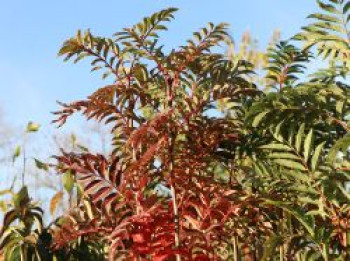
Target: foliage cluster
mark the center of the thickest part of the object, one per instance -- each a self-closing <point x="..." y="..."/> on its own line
<point x="208" y="163"/>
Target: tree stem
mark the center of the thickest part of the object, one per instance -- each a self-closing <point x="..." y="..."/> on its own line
<point x="235" y="248"/>
<point x="172" y="137"/>
<point x="176" y="222"/>
<point x="24" y="159"/>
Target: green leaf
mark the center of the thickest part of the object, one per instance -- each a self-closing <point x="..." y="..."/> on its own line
<point x="32" y="127"/>
<point x="327" y="7"/>
<point x="346" y="7"/>
<point x="21" y="198"/>
<point x="290" y="164"/>
<point x="324" y="17"/>
<point x="340" y="106"/>
<point x="16" y="153"/>
<point x="88" y="209"/>
<point x="316" y="156"/>
<point x="259" y="118"/>
<point x="299" y="137"/>
<point x="80" y="191"/>
<point x="68" y="181"/>
<point x="307" y="145"/>
<point x="82" y="148"/>
<point x="270" y="246"/>
<point x="341" y="144"/>
<point x="41" y="165"/>
<point x="276" y="146"/>
<point x="343" y="190"/>
<point x="281" y="155"/>
<point x="277" y="133"/>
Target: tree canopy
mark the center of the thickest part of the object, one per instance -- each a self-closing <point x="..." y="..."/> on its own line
<point x="209" y="161"/>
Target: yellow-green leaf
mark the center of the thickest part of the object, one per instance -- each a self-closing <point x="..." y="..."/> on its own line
<point x="307" y="145"/>
<point x="299" y="137"/>
<point x="316" y="156"/>
<point x="32" y="127"/>
<point x="290" y="164"/>
<point x="68" y="181"/>
<point x="16" y="153"/>
<point x="259" y="118"/>
<point x="276" y="146"/>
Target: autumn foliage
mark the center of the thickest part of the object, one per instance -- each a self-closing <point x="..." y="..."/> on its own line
<point x="175" y="146"/>
<point x="210" y="161"/>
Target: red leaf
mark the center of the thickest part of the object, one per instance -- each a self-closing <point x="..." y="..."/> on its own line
<point x="138" y="238"/>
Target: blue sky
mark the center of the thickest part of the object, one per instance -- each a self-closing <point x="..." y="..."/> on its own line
<point x="32" y="78"/>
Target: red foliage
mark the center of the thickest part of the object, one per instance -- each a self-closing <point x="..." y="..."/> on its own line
<point x="176" y="147"/>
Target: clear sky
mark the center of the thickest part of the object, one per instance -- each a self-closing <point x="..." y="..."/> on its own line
<point x="32" y="78"/>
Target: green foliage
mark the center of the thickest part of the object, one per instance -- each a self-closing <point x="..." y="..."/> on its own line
<point x="329" y="31"/>
<point x="285" y="63"/>
<point x="21" y="230"/>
